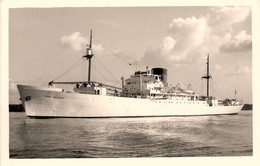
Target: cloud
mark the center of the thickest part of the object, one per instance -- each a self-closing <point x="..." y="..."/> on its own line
<point x="168" y="44"/>
<point x="229" y="15"/>
<point x="187" y="40"/>
<point x="188" y="34"/>
<point x="223" y="18"/>
<point x="190" y="29"/>
<point x="242" y="70"/>
<point x="191" y="38"/>
<point x="185" y="36"/>
<point x="241" y="42"/>
<point x="75" y="41"/>
<point x="99" y="49"/>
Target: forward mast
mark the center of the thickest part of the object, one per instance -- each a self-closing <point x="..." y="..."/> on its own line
<point x="89" y="55"/>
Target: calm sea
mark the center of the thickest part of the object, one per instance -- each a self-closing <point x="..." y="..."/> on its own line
<point x="131" y="137"/>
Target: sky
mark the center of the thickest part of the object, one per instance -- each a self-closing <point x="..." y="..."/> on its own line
<point x="45" y="42"/>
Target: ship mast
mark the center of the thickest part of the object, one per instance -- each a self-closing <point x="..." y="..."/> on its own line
<point x="207" y="76"/>
<point x="89" y="55"/>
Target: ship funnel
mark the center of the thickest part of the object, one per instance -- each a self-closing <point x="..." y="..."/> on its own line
<point x="161" y="72"/>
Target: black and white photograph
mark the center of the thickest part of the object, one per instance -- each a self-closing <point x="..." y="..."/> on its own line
<point x="128" y="82"/>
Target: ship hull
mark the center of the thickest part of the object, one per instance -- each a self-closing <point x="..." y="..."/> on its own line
<point x="51" y="102"/>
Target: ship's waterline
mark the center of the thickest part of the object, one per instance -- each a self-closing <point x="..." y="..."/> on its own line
<point x="50" y="102"/>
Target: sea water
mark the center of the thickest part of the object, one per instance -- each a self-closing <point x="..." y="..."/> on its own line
<point x="225" y="135"/>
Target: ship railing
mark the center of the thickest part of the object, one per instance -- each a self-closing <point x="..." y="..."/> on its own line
<point x="86" y="83"/>
<point x="231" y="102"/>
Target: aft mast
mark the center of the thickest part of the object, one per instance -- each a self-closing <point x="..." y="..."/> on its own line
<point x="207" y="76"/>
<point x="89" y="55"/>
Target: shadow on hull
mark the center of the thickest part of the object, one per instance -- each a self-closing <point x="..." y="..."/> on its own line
<point x="103" y="117"/>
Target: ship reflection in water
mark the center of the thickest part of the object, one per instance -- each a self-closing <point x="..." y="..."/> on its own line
<point x="131" y="137"/>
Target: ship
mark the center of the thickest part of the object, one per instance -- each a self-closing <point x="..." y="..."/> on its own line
<point x="144" y="94"/>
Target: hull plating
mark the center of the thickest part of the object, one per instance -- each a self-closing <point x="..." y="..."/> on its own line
<point x="49" y="102"/>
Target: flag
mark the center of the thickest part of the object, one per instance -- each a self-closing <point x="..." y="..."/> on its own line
<point x="235" y="92"/>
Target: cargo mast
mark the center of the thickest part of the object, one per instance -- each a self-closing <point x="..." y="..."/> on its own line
<point x="207" y="76"/>
<point x="89" y="55"/>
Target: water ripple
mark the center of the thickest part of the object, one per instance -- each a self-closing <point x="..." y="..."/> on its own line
<point x="131" y="137"/>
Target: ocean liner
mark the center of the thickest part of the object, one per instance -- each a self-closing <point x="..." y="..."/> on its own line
<point x="145" y="94"/>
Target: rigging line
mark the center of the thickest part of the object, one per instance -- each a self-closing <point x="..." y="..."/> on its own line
<point x="84" y="75"/>
<point x="218" y="88"/>
<point x="195" y="87"/>
<point x="107" y="49"/>
<point x="117" y="82"/>
<point x="111" y="52"/>
<point x="217" y="92"/>
<point x="73" y="66"/>
<point x="98" y="42"/>
<point x="213" y="90"/>
<point x="83" y="71"/>
<point x="107" y="80"/>
<point x="106" y="68"/>
<point x="93" y="73"/>
<point x="202" y="85"/>
<point x="101" y="74"/>
<point x="196" y="83"/>
<point x="86" y="69"/>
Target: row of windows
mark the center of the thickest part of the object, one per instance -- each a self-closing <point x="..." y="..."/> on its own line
<point x="135" y="82"/>
<point x="180" y="102"/>
<point x="131" y="83"/>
